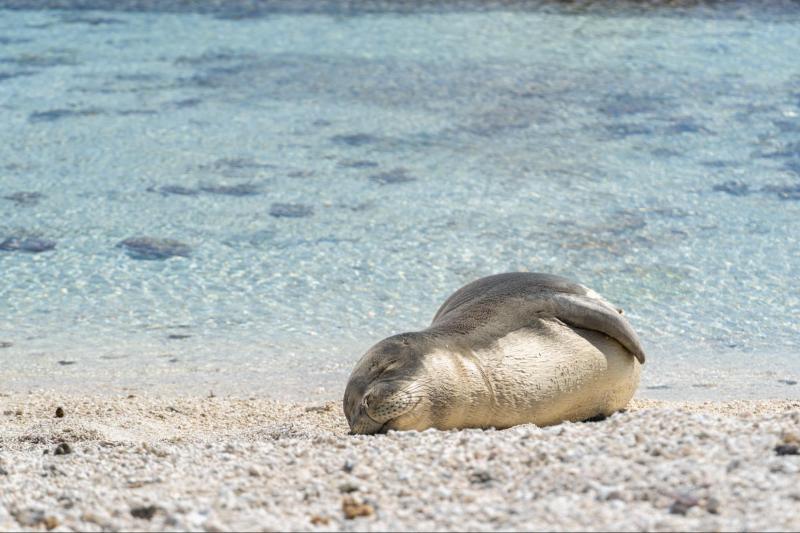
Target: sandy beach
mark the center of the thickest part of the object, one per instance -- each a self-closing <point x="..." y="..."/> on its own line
<point x="219" y="463"/>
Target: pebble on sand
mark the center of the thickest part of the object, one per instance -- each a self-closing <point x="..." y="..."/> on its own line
<point x="352" y="508"/>
<point x="59" y="412"/>
<point x="63" y="449"/>
<point x="683" y="503"/>
<point x="145" y="512"/>
<point x="787" y="449"/>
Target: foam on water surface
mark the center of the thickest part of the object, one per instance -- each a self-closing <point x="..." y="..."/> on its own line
<point x="333" y="176"/>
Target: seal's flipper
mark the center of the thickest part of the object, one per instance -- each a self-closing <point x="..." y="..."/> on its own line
<point x="595" y="314"/>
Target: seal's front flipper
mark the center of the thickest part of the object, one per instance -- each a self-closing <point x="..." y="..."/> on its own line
<point x="595" y="314"/>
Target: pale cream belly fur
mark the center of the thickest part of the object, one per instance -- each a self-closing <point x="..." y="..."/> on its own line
<point x="544" y="374"/>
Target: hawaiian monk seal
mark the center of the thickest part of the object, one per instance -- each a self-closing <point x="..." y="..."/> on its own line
<point x="503" y="350"/>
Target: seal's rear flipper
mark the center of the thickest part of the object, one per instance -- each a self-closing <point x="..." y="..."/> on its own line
<point x="595" y="314"/>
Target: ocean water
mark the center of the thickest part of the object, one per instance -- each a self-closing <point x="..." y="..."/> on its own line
<point x="329" y="173"/>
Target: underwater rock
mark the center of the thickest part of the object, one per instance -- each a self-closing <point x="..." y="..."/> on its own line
<point x="717" y="163"/>
<point x="243" y="189"/>
<point x="91" y="21"/>
<point x="174" y="189"/>
<point x="27" y="244"/>
<point x="736" y="188"/>
<point x="151" y="248"/>
<point x="10" y="75"/>
<point x="354" y="139"/>
<point x="290" y="210"/>
<point x="789" y="151"/>
<point x="784" y="192"/>
<point x="300" y="173"/>
<point x="627" y="130"/>
<point x="793" y="167"/>
<point x="357" y="163"/>
<point x="391" y="177"/>
<point x="187" y="102"/>
<point x="236" y="167"/>
<point x="622" y="104"/>
<point x="25" y="198"/>
<point x="58" y="114"/>
<point x="686" y="126"/>
<point x="665" y="152"/>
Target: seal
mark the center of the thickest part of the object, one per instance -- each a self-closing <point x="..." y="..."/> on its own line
<point x="507" y="349"/>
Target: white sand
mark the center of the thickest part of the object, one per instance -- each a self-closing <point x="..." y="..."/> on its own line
<point x="252" y="464"/>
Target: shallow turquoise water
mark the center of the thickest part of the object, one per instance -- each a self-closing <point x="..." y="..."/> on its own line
<point x="653" y="155"/>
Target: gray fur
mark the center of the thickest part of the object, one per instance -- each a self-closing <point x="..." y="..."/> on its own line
<point x="495" y="305"/>
<point x="447" y="375"/>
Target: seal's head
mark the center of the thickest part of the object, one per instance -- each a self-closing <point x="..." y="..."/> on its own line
<point x="387" y="386"/>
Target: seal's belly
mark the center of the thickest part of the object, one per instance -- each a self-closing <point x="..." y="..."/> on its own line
<point x="548" y="374"/>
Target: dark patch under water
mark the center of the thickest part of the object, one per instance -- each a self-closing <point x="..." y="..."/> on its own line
<point x="357" y="163"/>
<point x="665" y="153"/>
<point x="11" y="75"/>
<point x="784" y="192"/>
<point x="45" y="60"/>
<point x="718" y="163"/>
<point x="215" y="56"/>
<point x="187" y="103"/>
<point x="13" y="40"/>
<point x="59" y="114"/>
<point x="787" y="150"/>
<point x="300" y="173"/>
<point x="679" y="126"/>
<point x="236" y="167"/>
<point x="174" y="189"/>
<point x="623" y="104"/>
<point x="733" y="187"/>
<point x="740" y="188"/>
<point x="620" y="131"/>
<point x="137" y="76"/>
<point x="27" y="244"/>
<point x="787" y="126"/>
<point x="290" y="210"/>
<point x="241" y="189"/>
<point x="90" y="20"/>
<point x="25" y="198"/>
<point x="153" y="248"/>
<point x="354" y="139"/>
<point x="128" y="112"/>
<point x="392" y="177"/>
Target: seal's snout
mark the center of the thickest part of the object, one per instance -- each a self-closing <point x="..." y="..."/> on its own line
<point x="362" y="424"/>
<point x="355" y="409"/>
<point x="378" y="390"/>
